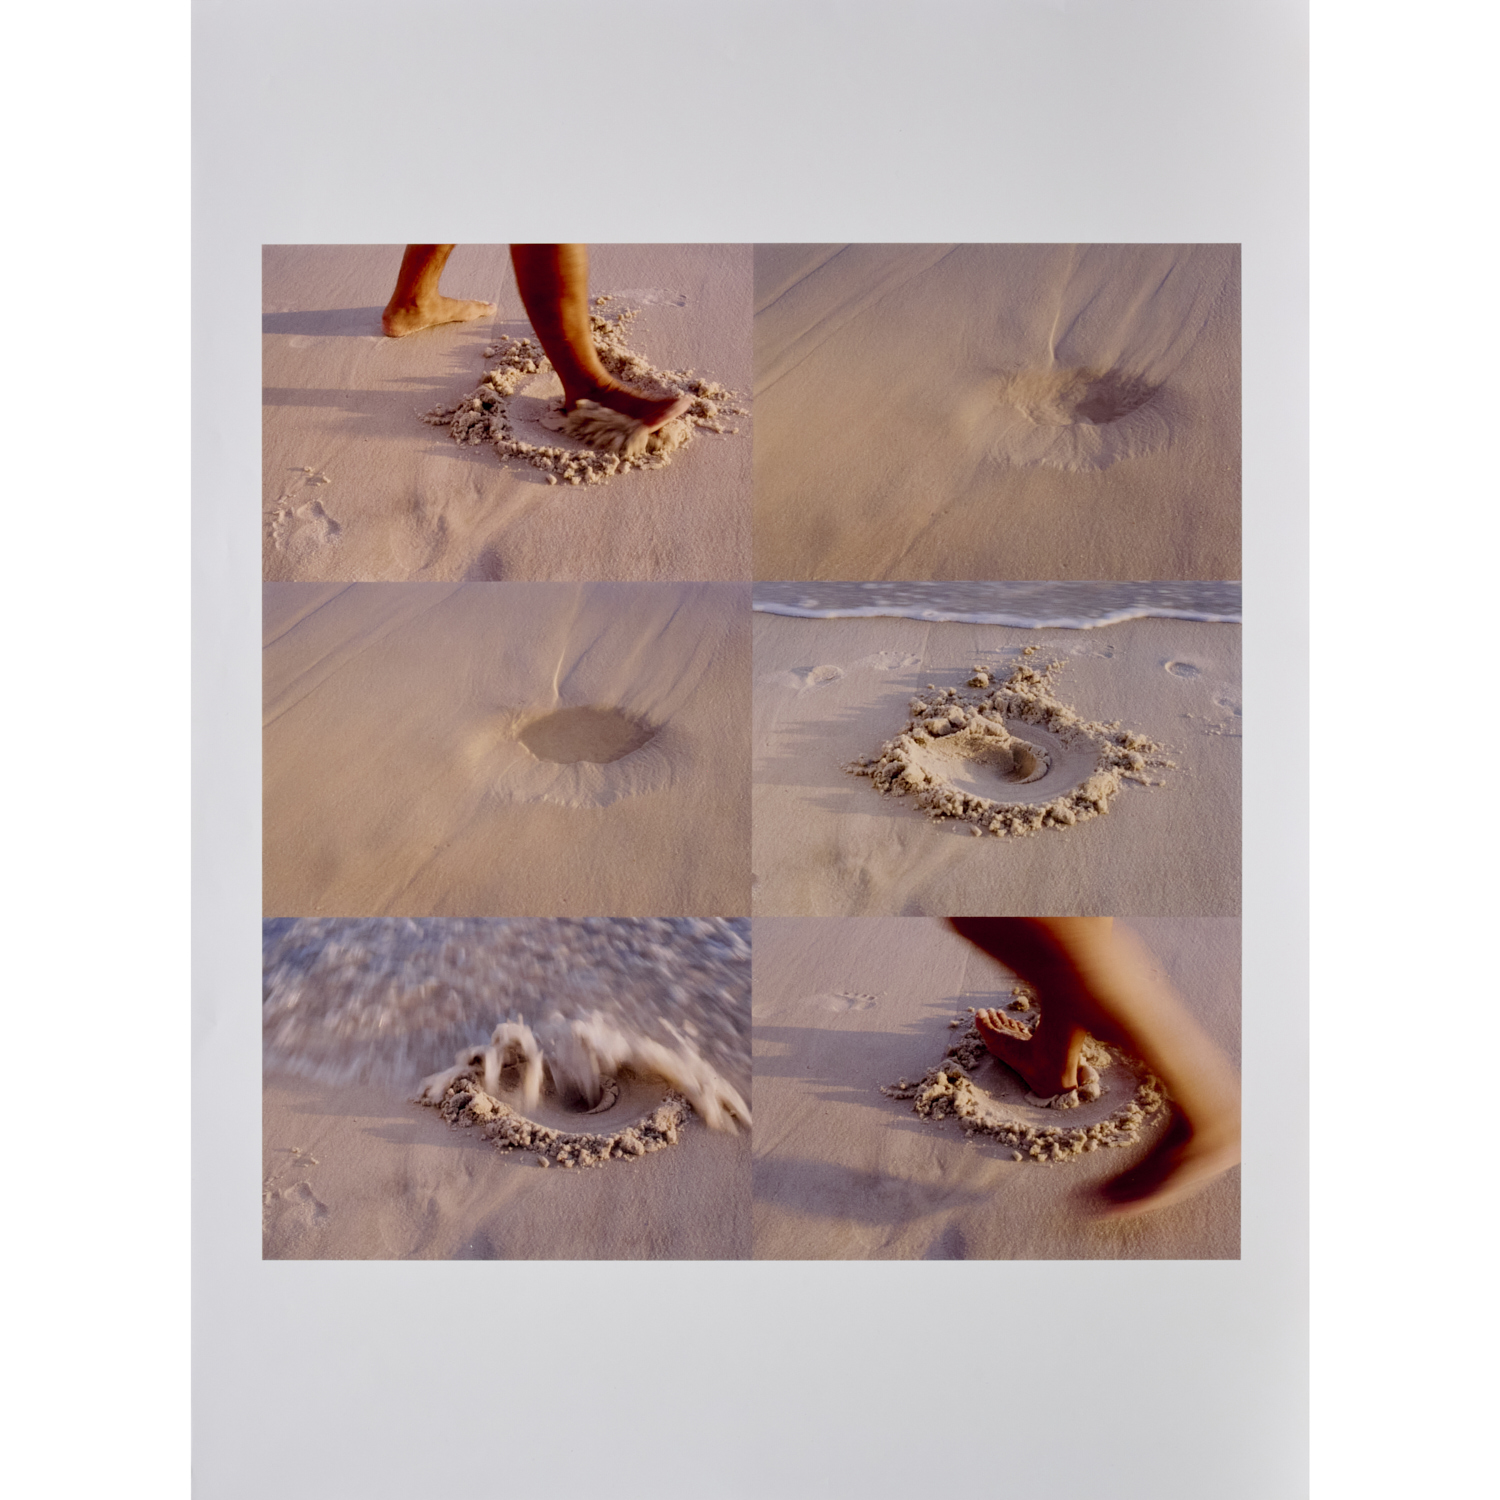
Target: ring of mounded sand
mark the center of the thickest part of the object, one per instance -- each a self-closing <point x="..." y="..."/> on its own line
<point x="1009" y="758"/>
<point x="524" y="1097"/>
<point x="1116" y="1100"/>
<point x="517" y="408"/>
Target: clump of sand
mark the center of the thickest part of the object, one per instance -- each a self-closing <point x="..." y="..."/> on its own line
<point x="486" y="415"/>
<point x="949" y="1090"/>
<point x="951" y="732"/>
<point x="464" y="1102"/>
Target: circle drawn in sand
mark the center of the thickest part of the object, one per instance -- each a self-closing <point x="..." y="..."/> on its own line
<point x="545" y="1099"/>
<point x="988" y="1099"/>
<point x="1011" y="759"/>
<point x="517" y="408"/>
<point x="568" y="1143"/>
<point x="1078" y="418"/>
<point x="569" y="735"/>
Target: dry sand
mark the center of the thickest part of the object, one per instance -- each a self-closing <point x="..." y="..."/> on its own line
<point x="997" y="411"/>
<point x="358" y="1172"/>
<point x="826" y="843"/>
<point x="421" y="749"/>
<point x="357" y="487"/>
<point x="842" y="1171"/>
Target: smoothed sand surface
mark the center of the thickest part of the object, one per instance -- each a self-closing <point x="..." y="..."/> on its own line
<point x="506" y="749"/>
<point x="997" y="411"/>
<point x="841" y="1171"/>
<point x="826" y="843"/>
<point x="357" y="487"/>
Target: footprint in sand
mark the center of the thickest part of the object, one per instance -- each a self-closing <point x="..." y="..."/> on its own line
<point x="299" y="522"/>
<point x="840" y="1002"/>
<point x="314" y="1210"/>
<point x="804" y="679"/>
<point x="1183" y="669"/>
<point x="890" y="661"/>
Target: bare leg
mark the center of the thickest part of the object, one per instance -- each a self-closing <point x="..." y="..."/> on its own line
<point x="1091" y="978"/>
<point x="554" y="285"/>
<point x="416" y="303"/>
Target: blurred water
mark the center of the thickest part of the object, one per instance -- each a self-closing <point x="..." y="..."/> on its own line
<point x="394" y="999"/>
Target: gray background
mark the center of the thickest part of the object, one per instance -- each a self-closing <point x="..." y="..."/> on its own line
<point x="1106" y="120"/>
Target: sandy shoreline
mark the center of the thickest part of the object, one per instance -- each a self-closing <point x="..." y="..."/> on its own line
<point x="843" y="1172"/>
<point x="355" y="486"/>
<point x="997" y="411"/>
<point x="376" y="1177"/>
<point x="408" y="730"/>
<point x="827" y="844"/>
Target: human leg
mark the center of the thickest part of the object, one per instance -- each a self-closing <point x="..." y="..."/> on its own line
<point x="416" y="302"/>
<point x="1092" y="978"/>
<point x="554" y="284"/>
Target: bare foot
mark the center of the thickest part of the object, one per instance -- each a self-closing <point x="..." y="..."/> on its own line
<point x="1184" y="1161"/>
<point x="651" y="412"/>
<point x="431" y="312"/>
<point x="1047" y="1065"/>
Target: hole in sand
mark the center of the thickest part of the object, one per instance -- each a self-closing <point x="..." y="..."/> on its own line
<point x="985" y="764"/>
<point x="1065" y="398"/>
<point x="599" y="735"/>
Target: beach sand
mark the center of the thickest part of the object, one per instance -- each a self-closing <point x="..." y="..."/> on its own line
<point x="997" y="411"/>
<point x="376" y="1177"/>
<point x="357" y="487"/>
<point x="843" y="1172"/>
<point x="826" y="843"/>
<point x="420" y="738"/>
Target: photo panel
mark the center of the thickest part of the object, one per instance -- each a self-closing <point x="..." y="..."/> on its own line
<point x="997" y="411"/>
<point x="505" y="1089"/>
<point x="517" y="413"/>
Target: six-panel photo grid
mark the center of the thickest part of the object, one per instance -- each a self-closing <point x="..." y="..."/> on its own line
<point x="752" y="752"/>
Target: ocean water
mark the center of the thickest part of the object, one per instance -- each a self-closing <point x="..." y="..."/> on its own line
<point x="394" y="999"/>
<point x="1078" y="604"/>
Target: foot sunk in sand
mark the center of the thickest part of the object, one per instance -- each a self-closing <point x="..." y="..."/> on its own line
<point x="611" y="431"/>
<point x="638" y="421"/>
<point x="1005" y="1104"/>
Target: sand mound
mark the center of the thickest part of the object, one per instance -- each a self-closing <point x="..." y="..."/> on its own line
<point x="517" y="407"/>
<point x="1011" y="759"/>
<point x="1116" y="1100"/>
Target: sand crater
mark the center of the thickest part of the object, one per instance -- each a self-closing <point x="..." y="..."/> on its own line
<point x="1067" y="397"/>
<point x="984" y="757"/>
<point x="599" y="735"/>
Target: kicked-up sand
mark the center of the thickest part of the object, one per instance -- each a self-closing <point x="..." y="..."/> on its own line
<point x="506" y="749"/>
<point x="997" y="411"/>
<point x="358" y="485"/>
<point x="845" y="1165"/>
<point x="889" y="782"/>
